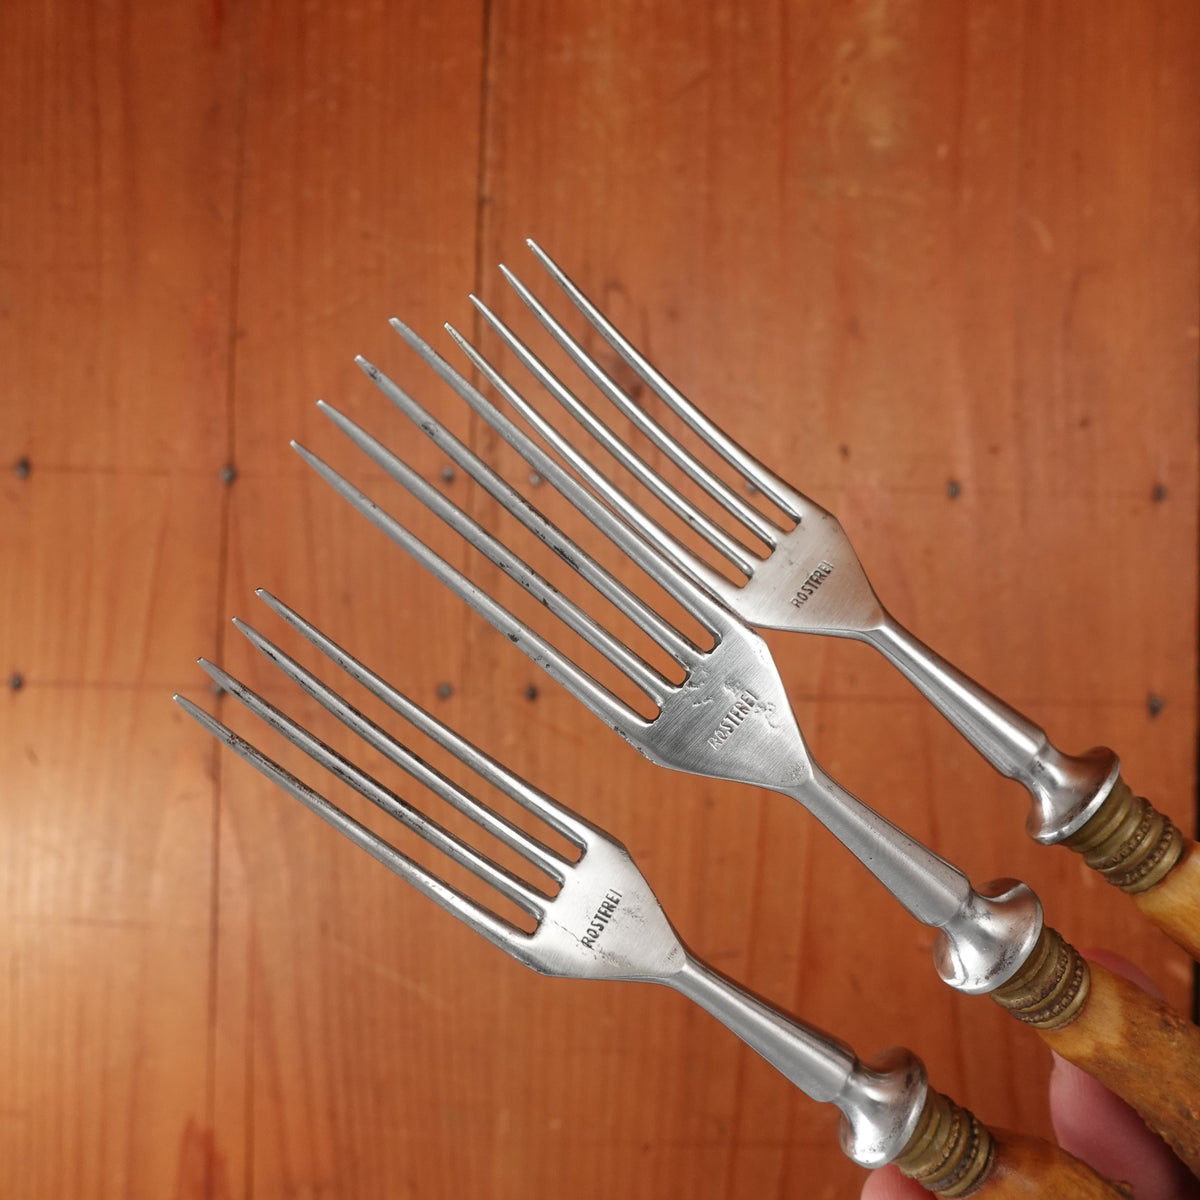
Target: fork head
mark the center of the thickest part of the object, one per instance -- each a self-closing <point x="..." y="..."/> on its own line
<point x="729" y="718"/>
<point x="594" y="916"/>
<point x="792" y="569"/>
<point x="809" y="578"/>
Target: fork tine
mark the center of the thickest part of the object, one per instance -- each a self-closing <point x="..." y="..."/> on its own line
<point x="504" y="881"/>
<point x="534" y="851"/>
<point x="651" y="681"/>
<point x="735" y="551"/>
<point x="706" y="610"/>
<point x="599" y="699"/>
<point x="497" y="930"/>
<point x="742" y="460"/>
<point x="560" y="818"/>
<point x="763" y="528"/>
<point x="667" y="636"/>
<point x="666" y="543"/>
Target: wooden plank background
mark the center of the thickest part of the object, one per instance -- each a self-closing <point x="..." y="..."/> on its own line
<point x="936" y="262"/>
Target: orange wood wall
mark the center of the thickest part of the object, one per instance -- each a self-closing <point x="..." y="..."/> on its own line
<point x="937" y="262"/>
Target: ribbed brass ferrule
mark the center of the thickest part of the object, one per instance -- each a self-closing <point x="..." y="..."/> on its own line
<point x="950" y="1153"/>
<point x="1128" y="841"/>
<point x="1049" y="990"/>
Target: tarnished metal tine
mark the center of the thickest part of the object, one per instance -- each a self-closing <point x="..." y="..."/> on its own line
<point x="651" y="681"/>
<point x="665" y="542"/>
<point x="561" y="819"/>
<point x="668" y="637"/>
<point x="736" y="551"/>
<point x="706" y="610"/>
<point x="534" y="851"/>
<point x="735" y="455"/>
<point x="761" y="526"/>
<point x="558" y="666"/>
<point x="497" y="930"/>
<point x="504" y="881"/>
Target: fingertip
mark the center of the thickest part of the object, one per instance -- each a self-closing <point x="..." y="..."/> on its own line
<point x="1119" y="965"/>
<point x="1098" y="1127"/>
<point x="888" y="1183"/>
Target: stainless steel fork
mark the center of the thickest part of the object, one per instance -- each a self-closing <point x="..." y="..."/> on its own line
<point x="809" y="579"/>
<point x="730" y="719"/>
<point x="595" y="917"/>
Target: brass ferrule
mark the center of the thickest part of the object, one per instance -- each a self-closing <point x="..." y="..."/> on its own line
<point x="950" y="1152"/>
<point x="1128" y="841"/>
<point x="1049" y="990"/>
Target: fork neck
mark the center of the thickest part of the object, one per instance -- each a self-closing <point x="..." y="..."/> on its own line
<point x="984" y="935"/>
<point x="880" y="1103"/>
<point x="1066" y="789"/>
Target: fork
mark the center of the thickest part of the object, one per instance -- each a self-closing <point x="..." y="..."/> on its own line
<point x="810" y="580"/>
<point x="595" y="917"/>
<point x="730" y="719"/>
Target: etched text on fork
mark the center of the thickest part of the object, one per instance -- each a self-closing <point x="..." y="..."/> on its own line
<point x="601" y="917"/>
<point x="741" y="708"/>
<point x="819" y="574"/>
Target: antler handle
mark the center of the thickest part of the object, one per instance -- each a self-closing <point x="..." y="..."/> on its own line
<point x="1139" y="850"/>
<point x="1135" y="1045"/>
<point x="1174" y="904"/>
<point x="952" y="1154"/>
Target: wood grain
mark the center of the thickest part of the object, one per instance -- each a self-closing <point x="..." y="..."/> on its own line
<point x="937" y="264"/>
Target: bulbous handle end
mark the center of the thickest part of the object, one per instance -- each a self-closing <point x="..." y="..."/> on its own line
<point x="990" y="938"/>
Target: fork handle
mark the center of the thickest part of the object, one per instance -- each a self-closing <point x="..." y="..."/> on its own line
<point x="1140" y="851"/>
<point x="889" y="1112"/>
<point x="1066" y="789"/>
<point x="1028" y="1166"/>
<point x="1078" y="800"/>
<point x="1135" y="1045"/>
<point x="952" y="1154"/>
<point x="1174" y="904"/>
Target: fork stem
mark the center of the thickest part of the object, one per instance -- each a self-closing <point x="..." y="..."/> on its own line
<point x="880" y="1103"/>
<point x="889" y="1111"/>
<point x="984" y="936"/>
<point x="1067" y="789"/>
